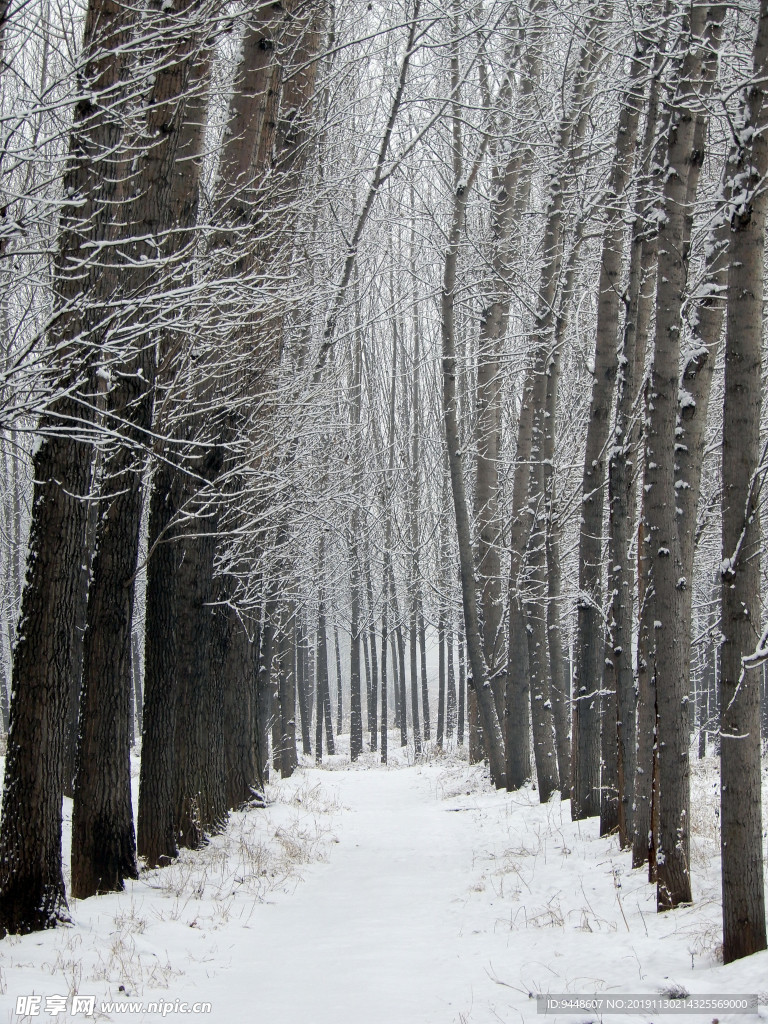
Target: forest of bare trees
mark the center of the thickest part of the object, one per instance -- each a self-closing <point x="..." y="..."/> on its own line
<point x="337" y="333"/>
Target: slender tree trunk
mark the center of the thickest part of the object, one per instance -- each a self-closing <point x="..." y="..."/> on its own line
<point x="338" y="680"/>
<point x="323" y="700"/>
<point x="287" y="684"/>
<point x="264" y="674"/>
<point x="511" y="185"/>
<point x="462" y="691"/>
<point x="413" y="637"/>
<point x="450" y="726"/>
<point x="440" y="678"/>
<point x="302" y="658"/>
<point x="518" y="731"/>
<point x="494" y="741"/>
<point x="399" y="641"/>
<point x="588" y="678"/>
<point x="384" y="695"/>
<point x="374" y="694"/>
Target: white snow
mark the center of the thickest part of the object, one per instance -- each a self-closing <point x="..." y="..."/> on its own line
<point x="404" y="895"/>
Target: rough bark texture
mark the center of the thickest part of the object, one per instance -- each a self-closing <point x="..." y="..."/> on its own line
<point x="618" y="720"/>
<point x="744" y="930"/>
<point x="666" y="567"/>
<point x="241" y="765"/>
<point x="156" y="839"/>
<point x="31" y="883"/>
<point x="103" y="844"/>
<point x="156" y="835"/>
<point x="622" y="484"/>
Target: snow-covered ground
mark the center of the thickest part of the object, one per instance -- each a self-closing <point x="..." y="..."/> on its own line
<point x="407" y="895"/>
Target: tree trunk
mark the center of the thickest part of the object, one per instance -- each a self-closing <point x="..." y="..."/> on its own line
<point x="31" y="883"/>
<point x="374" y="694"/>
<point x="450" y="725"/>
<point x="518" y="730"/>
<point x="287" y="684"/>
<point x="384" y="695"/>
<point x="588" y="676"/>
<point x="338" y="680"/>
<point x="462" y="691"/>
<point x="744" y="930"/>
<point x="667" y="570"/>
<point x="440" y="678"/>
<point x="302" y="683"/>
<point x="494" y="741"/>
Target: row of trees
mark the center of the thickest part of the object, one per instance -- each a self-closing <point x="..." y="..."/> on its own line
<point x="381" y="326"/>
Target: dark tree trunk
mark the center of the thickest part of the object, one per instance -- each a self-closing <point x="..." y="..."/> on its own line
<point x="462" y="692"/>
<point x="450" y="725"/>
<point x="338" y="680"/>
<point x="287" y="683"/>
<point x="384" y="695"/>
<point x="44" y="659"/>
<point x="414" y="640"/>
<point x="374" y="691"/>
<point x="302" y="682"/>
<point x="264" y="682"/>
<point x="744" y="930"/>
<point x="156" y="832"/>
<point x="440" y="678"/>
<point x="241" y="766"/>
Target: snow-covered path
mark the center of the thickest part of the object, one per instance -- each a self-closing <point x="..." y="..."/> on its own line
<point x="443" y="901"/>
<point x="377" y="934"/>
<point x="407" y="895"/>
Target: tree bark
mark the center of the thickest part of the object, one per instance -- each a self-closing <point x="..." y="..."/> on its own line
<point x="494" y="741"/>
<point x="31" y="883"/>
<point x="743" y="466"/>
<point x="666" y="567"/>
<point x="588" y="676"/>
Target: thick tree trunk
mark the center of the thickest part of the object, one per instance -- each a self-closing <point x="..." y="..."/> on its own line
<point x="241" y="763"/>
<point x="665" y="554"/>
<point x="744" y="930"/>
<point x="618" y="721"/>
<point x="103" y="843"/>
<point x="31" y="882"/>
<point x="156" y="831"/>
<point x="622" y="484"/>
